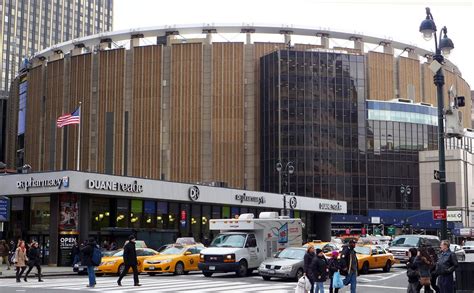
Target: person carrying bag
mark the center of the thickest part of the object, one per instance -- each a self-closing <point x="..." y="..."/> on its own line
<point x="20" y="260"/>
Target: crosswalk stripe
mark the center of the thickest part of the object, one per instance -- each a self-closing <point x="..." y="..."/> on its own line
<point x="239" y="288"/>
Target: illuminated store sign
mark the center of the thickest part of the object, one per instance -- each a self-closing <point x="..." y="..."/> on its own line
<point x="38" y="183"/>
<point x="115" y="186"/>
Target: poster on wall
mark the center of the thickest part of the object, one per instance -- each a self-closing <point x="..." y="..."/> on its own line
<point x="66" y="242"/>
<point x="68" y="212"/>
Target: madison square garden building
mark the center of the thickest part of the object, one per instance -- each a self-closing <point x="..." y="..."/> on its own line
<point x="170" y="105"/>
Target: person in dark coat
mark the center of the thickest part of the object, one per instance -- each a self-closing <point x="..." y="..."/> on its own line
<point x="350" y="265"/>
<point x="307" y="260"/>
<point x="75" y="253"/>
<point x="447" y="264"/>
<point x="424" y="264"/>
<point x="130" y="261"/>
<point x="434" y="275"/>
<point x="334" y="265"/>
<point x="412" y="272"/>
<point x="319" y="268"/>
<point x="34" y="260"/>
<point x="87" y="252"/>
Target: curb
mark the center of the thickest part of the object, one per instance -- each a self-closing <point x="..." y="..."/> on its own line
<point x="43" y="275"/>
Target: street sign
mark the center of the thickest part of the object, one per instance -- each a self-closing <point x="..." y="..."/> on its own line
<point x="439" y="214"/>
<point x="391" y="230"/>
<point x="375" y="220"/>
<point x="3" y="209"/>
<point x="454" y="216"/>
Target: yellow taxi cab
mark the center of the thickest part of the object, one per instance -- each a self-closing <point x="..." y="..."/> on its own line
<point x="177" y="259"/>
<point x="326" y="247"/>
<point x="373" y="257"/>
<point x="114" y="264"/>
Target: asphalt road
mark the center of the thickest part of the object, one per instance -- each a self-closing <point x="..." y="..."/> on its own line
<point x="374" y="282"/>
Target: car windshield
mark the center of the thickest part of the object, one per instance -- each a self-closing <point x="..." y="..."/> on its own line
<point x="362" y="250"/>
<point x="469" y="243"/>
<point x="173" y="250"/>
<point x="229" y="240"/>
<point x="119" y="253"/>
<point x="291" y="253"/>
<point x="406" y="241"/>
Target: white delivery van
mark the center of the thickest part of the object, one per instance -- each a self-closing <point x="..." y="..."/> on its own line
<point x="244" y="243"/>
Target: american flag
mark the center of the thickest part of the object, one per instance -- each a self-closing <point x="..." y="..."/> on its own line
<point x="70" y="118"/>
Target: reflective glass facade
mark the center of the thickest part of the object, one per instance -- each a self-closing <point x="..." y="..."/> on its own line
<point x="401" y="112"/>
<point x="312" y="105"/>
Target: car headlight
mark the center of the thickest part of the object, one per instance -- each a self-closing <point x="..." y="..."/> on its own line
<point x="229" y="257"/>
<point x="167" y="260"/>
<point x="286" y="268"/>
<point x="262" y="266"/>
<point x="109" y="263"/>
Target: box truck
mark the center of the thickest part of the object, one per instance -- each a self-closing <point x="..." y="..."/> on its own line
<point x="244" y="243"/>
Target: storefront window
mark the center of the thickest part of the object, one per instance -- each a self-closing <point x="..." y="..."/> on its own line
<point x="40" y="214"/>
<point x="206" y="214"/>
<point x="196" y="222"/>
<point x="184" y="220"/>
<point x="216" y="212"/>
<point x="225" y="212"/>
<point x="122" y="213"/>
<point x="136" y="213"/>
<point x="149" y="218"/>
<point x="162" y="219"/>
<point x="100" y="213"/>
<point x="235" y="212"/>
<point x="173" y="216"/>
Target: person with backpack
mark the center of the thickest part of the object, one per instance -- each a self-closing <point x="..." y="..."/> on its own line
<point x="87" y="260"/>
<point x="34" y="260"/>
<point x="130" y="261"/>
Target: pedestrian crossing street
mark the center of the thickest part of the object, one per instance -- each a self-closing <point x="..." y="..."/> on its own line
<point x="155" y="284"/>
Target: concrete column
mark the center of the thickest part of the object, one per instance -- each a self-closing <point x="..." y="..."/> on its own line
<point x="387" y="47"/>
<point x="321" y="223"/>
<point x="79" y="49"/>
<point x="53" y="229"/>
<point x="209" y="38"/>
<point x="248" y="38"/>
<point x="56" y="56"/>
<point x="84" y="217"/>
<point x="38" y="62"/>
<point x="105" y="44"/>
<point x="135" y="40"/>
<point x="287" y="39"/>
<point x="324" y="40"/>
<point x="411" y="53"/>
<point x="206" y="109"/>
<point x="358" y="44"/>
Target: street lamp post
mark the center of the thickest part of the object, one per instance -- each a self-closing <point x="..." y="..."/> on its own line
<point x="445" y="45"/>
<point x="286" y="171"/>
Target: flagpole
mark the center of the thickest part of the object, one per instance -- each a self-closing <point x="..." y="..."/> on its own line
<point x="79" y="137"/>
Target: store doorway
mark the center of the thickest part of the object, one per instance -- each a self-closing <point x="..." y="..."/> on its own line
<point x="43" y="241"/>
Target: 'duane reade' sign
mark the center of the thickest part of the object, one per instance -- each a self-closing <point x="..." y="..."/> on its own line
<point x="133" y="187"/>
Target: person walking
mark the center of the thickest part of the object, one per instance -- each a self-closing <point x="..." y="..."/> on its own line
<point x="307" y="260"/>
<point x="75" y="253"/>
<point x="447" y="264"/>
<point x="34" y="260"/>
<point x="424" y="264"/>
<point x="87" y="251"/>
<point x="130" y="261"/>
<point x="412" y="272"/>
<point x="4" y="252"/>
<point x="349" y="264"/>
<point x="334" y="266"/>
<point x="20" y="260"/>
<point x="434" y="275"/>
<point x="319" y="268"/>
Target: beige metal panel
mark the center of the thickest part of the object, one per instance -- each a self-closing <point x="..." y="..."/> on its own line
<point x="409" y="78"/>
<point x="111" y="99"/>
<point x="429" y="89"/>
<point x="145" y="133"/>
<point x="185" y="107"/>
<point x="228" y="113"/>
<point x="380" y="76"/>
<point x="12" y="125"/>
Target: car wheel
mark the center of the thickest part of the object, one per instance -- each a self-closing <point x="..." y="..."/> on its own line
<point x="207" y="274"/>
<point x="179" y="269"/>
<point x="387" y="266"/>
<point x="299" y="274"/>
<point x="266" y="278"/>
<point x="152" y="274"/>
<point x="365" y="268"/>
<point x="249" y="272"/>
<point x="121" y="268"/>
<point x="242" y="272"/>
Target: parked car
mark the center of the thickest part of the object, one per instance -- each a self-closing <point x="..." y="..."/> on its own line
<point x="373" y="257"/>
<point x="326" y="247"/>
<point x="401" y="244"/>
<point x="468" y="246"/>
<point x="459" y="251"/>
<point x="287" y="264"/>
<point x="176" y="259"/>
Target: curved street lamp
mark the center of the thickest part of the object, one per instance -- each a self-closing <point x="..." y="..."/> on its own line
<point x="443" y="47"/>
<point x="286" y="170"/>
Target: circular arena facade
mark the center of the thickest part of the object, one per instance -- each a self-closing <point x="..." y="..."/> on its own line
<point x="173" y="103"/>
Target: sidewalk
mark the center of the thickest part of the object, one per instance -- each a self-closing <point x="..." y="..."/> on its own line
<point x="46" y="271"/>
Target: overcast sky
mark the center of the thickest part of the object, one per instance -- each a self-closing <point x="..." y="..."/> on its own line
<point x="396" y="19"/>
